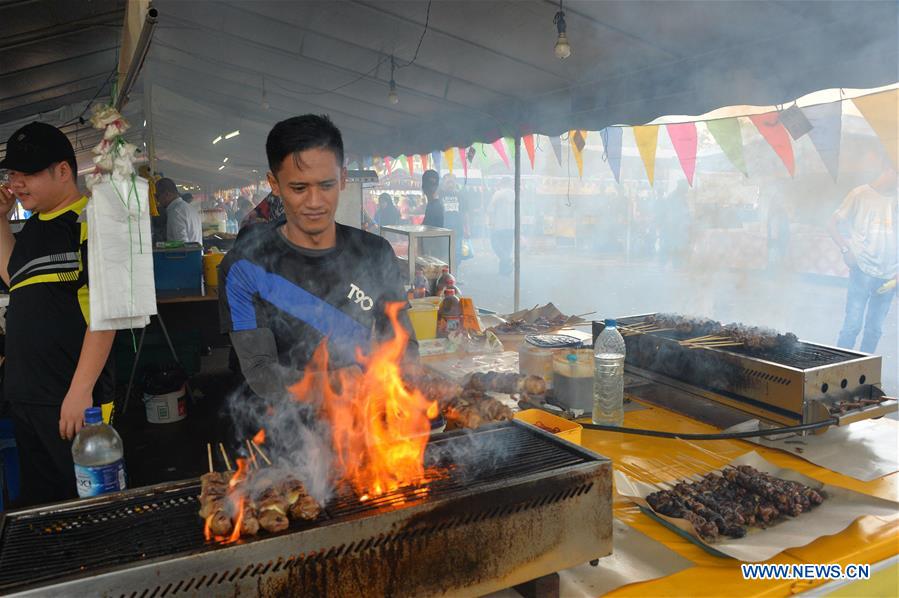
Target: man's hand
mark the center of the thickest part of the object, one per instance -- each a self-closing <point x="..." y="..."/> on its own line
<point x="849" y="259"/>
<point x="7" y="201"/>
<point x="71" y="415"/>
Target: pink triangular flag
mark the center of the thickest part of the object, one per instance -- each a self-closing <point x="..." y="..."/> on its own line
<point x="683" y="138"/>
<point x="464" y="162"/>
<point x="500" y="148"/>
<point x="410" y="160"/>
<point x="777" y="137"/>
<point x="387" y="160"/>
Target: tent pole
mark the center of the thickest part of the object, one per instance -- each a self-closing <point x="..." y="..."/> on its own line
<point x="517" y="222"/>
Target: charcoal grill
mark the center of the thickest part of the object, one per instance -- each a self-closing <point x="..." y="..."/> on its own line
<point x="788" y="384"/>
<point x="532" y="505"/>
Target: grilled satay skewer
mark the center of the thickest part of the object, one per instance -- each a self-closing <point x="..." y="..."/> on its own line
<point x="225" y="456"/>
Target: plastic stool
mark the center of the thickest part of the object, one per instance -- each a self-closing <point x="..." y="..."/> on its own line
<point x="9" y="462"/>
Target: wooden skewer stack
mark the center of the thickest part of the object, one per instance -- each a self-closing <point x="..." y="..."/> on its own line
<point x="630" y="330"/>
<point x="709" y="341"/>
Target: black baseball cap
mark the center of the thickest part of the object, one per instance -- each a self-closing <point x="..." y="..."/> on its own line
<point x="35" y="147"/>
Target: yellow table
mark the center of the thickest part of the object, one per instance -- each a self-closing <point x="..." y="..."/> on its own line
<point x="867" y="541"/>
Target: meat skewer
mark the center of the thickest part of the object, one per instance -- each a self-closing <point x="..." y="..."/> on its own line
<point x="225" y="457"/>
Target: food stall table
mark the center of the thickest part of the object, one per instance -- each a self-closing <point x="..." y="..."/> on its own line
<point x="870" y="540"/>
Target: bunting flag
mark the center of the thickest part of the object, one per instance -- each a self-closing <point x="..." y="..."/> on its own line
<point x="435" y="160"/>
<point x="556" y="143"/>
<point x="472" y="152"/>
<point x="578" y="141"/>
<point x="647" y="140"/>
<point x="528" y="141"/>
<point x="448" y="155"/>
<point x="367" y="162"/>
<point x="611" y="143"/>
<point x="500" y="146"/>
<point x="879" y="109"/>
<point x="729" y="137"/>
<point x="826" y="121"/>
<point x="387" y="160"/>
<point x="424" y="162"/>
<point x="777" y="137"/>
<point x="464" y="160"/>
<point x="683" y="138"/>
<point x="410" y="160"/>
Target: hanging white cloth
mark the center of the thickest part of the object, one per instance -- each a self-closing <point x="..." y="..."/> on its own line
<point x="120" y="254"/>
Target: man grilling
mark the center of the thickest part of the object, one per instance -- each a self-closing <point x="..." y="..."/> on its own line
<point x="303" y="278"/>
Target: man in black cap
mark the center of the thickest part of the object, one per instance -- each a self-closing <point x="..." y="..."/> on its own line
<point x="56" y="367"/>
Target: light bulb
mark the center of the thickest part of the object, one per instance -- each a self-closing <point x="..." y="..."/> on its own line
<point x="562" y="48"/>
<point x="392" y="96"/>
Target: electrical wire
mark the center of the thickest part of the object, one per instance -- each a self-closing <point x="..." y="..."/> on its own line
<point x="420" y="39"/>
<point x="719" y="436"/>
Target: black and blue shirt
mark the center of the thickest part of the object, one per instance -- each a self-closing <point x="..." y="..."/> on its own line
<point x="304" y="296"/>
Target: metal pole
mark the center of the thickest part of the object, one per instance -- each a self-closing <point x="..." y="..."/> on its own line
<point x="137" y="59"/>
<point x="517" y="221"/>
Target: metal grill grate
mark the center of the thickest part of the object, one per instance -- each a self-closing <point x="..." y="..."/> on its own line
<point x="38" y="547"/>
<point x="801" y="355"/>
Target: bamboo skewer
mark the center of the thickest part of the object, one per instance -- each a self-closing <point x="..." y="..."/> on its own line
<point x="261" y="454"/>
<point x="252" y="455"/>
<point x="225" y="456"/>
<point x="209" y="456"/>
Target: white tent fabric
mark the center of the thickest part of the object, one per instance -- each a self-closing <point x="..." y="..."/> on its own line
<point x="486" y="68"/>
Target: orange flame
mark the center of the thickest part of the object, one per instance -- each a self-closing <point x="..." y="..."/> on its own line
<point x="207" y="532"/>
<point x="379" y="428"/>
<point x="236" y="497"/>
<point x="238" y="521"/>
<point x="259" y="438"/>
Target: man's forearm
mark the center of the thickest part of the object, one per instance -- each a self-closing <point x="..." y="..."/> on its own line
<point x="7" y="242"/>
<point x="94" y="354"/>
<point x="258" y="354"/>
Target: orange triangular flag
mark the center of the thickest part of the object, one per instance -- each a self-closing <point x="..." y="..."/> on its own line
<point x="879" y="109"/>
<point x="777" y="137"/>
<point x="647" y="138"/>
<point x="448" y="155"/>
<point x="530" y="148"/>
<point x="578" y="140"/>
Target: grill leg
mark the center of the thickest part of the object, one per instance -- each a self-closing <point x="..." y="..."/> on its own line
<point x="542" y="587"/>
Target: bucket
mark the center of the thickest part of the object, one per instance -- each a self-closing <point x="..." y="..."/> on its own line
<point x="424" y="320"/>
<point x="166" y="409"/>
<point x="211" y="263"/>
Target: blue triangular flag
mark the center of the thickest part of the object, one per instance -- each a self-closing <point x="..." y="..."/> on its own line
<point x="611" y="143"/>
<point x="827" y="122"/>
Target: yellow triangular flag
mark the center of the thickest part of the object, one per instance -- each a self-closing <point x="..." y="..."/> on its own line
<point x="880" y="110"/>
<point x="578" y="140"/>
<point x="448" y="154"/>
<point x="647" y="139"/>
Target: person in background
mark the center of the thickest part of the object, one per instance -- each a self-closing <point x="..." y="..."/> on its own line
<point x="501" y="221"/>
<point x="56" y="367"/>
<point x="187" y="197"/>
<point x="387" y="213"/>
<point x="455" y="213"/>
<point x="430" y="181"/>
<point x="870" y="251"/>
<point x="244" y="207"/>
<point x="182" y="222"/>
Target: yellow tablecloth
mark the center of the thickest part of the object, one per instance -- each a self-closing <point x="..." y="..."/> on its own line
<point x="868" y="540"/>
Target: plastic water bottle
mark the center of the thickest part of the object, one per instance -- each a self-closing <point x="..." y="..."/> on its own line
<point x="97" y="452"/>
<point x="608" y="377"/>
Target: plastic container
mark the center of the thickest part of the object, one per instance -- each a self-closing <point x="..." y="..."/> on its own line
<point x="573" y="379"/>
<point x="449" y="316"/>
<point x="211" y="263"/>
<point x="423" y="316"/>
<point x="167" y="408"/>
<point x="608" y="376"/>
<point x="570" y="431"/>
<point x="535" y="354"/>
<point x="98" y="454"/>
<point x="179" y="269"/>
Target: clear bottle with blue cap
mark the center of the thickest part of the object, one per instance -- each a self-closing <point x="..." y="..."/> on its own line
<point x="99" y="457"/>
<point x="608" y="376"/>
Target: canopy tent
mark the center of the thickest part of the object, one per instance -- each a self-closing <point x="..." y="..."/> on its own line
<point x="483" y="68"/>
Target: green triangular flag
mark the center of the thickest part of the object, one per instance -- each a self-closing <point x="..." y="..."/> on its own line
<point x="727" y="134"/>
